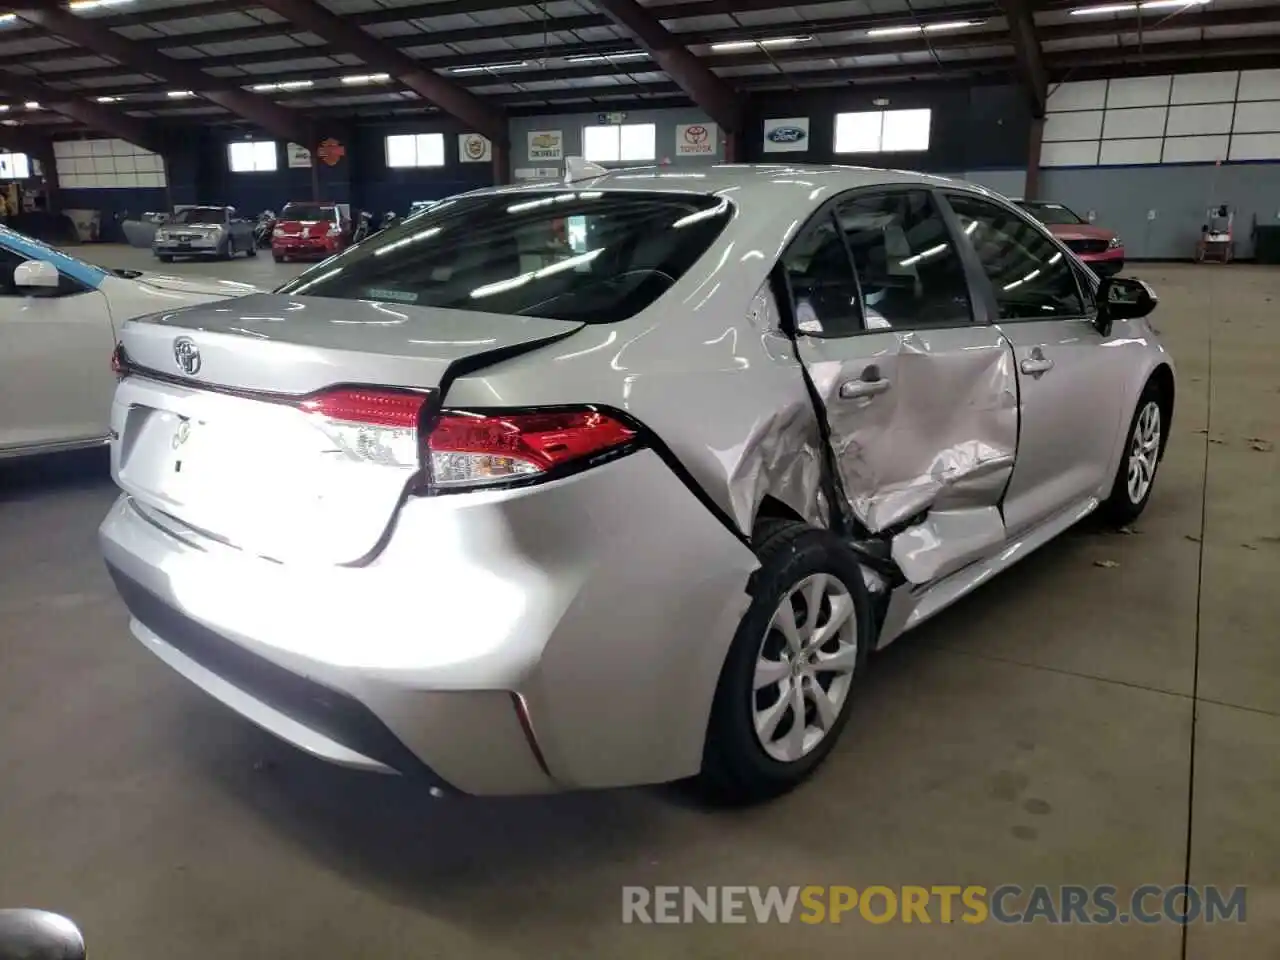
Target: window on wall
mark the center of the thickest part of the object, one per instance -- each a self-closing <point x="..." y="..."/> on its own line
<point x="252" y="156"/>
<point x="14" y="166"/>
<point x="883" y="131"/>
<point x="1186" y="118"/>
<point x="620" y="143"/>
<point x="415" y="150"/>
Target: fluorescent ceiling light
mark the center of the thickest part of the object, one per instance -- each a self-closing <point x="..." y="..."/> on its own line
<point x="107" y="99"/>
<point x="8" y="17"/>
<point x="1106" y="8"/>
<point x="367" y="78"/>
<point x="179" y="94"/>
<point x="598" y="57"/>
<point x="90" y="4"/>
<point x="485" y="67"/>
<point x="33" y="104"/>
<point x="282" y="85"/>
<point x="4" y="108"/>
<point x="768" y="42"/>
<point x="926" y="28"/>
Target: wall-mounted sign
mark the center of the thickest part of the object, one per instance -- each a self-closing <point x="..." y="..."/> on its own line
<point x="697" y="139"/>
<point x="537" y="173"/>
<point x="330" y="152"/>
<point x="616" y="117"/>
<point x="473" y="148"/>
<point x="546" y="145"/>
<point x="299" y="156"/>
<point x="788" y="135"/>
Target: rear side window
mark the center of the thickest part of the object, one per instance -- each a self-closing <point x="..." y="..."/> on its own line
<point x="1031" y="277"/>
<point x="909" y="269"/>
<point x="589" y="256"/>
<point x="823" y="288"/>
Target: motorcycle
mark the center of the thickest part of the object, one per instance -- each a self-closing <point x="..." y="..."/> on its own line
<point x="389" y="220"/>
<point x="363" y="228"/>
<point x="262" y="230"/>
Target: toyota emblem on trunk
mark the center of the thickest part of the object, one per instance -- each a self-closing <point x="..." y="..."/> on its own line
<point x="187" y="354"/>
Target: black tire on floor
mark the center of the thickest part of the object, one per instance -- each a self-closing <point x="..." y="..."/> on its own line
<point x="228" y="249"/>
<point x="735" y="767"/>
<point x="1120" y="508"/>
<point x="277" y="258"/>
<point x="252" y="251"/>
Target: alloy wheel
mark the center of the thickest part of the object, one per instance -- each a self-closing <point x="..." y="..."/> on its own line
<point x="805" y="667"/>
<point x="1144" y="452"/>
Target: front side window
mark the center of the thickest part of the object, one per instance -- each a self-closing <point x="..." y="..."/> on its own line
<point x="1032" y="278"/>
<point x="909" y="269"/>
<point x="590" y="256"/>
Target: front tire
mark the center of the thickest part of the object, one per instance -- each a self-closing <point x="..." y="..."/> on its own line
<point x="1143" y="450"/>
<point x="787" y="684"/>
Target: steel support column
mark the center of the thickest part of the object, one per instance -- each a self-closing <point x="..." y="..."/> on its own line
<point x="270" y="116"/>
<point x="453" y="98"/>
<point x="694" y="77"/>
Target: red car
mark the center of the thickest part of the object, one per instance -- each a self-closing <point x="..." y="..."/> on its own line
<point x="1099" y="247"/>
<point x="311" y="230"/>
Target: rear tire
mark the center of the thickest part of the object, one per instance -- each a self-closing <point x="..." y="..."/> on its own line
<point x="785" y="693"/>
<point x="252" y="251"/>
<point x="1143" y="450"/>
<point x="277" y="258"/>
<point x="228" y="250"/>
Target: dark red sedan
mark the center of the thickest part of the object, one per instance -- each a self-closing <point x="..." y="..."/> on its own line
<point x="1099" y="247"/>
<point x="312" y="231"/>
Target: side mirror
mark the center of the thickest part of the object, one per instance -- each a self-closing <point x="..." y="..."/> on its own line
<point x="35" y="277"/>
<point x="1123" y="298"/>
<point x="39" y="935"/>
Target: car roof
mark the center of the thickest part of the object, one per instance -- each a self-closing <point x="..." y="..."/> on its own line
<point x="745" y="178"/>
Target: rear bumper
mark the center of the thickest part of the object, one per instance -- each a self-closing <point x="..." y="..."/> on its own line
<point x="304" y="248"/>
<point x="195" y="249"/>
<point x="517" y="642"/>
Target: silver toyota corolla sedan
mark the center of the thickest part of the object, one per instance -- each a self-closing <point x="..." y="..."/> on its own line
<point x="619" y="481"/>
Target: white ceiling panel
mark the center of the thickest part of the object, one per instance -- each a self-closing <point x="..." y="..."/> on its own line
<point x="289" y="66"/>
<point x="62" y="64"/>
<point x="29" y="44"/>
<point x="400" y="28"/>
<point x="751" y="70"/>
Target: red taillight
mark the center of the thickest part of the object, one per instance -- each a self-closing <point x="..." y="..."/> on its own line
<point x="470" y="449"/>
<point x="371" y="426"/>
<point x="463" y="449"/>
<point x="376" y="408"/>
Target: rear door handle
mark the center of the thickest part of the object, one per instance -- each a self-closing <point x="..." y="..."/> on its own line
<point x="1037" y="363"/>
<point x="853" y="389"/>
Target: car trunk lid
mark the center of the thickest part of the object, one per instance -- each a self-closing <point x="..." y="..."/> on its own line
<point x="215" y="430"/>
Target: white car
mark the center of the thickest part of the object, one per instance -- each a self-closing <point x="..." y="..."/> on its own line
<point x="59" y="318"/>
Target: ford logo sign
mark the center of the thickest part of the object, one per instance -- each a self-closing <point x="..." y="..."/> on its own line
<point x="785" y="135"/>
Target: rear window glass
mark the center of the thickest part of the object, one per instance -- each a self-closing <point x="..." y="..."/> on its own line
<point x="589" y="256"/>
<point x="307" y="211"/>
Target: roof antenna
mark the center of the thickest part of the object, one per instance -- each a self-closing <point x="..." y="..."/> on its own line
<point x="576" y="168"/>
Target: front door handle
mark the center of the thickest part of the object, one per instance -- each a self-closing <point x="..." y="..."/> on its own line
<point x="853" y="389"/>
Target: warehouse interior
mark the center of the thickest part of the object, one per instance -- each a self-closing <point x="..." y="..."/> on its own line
<point x="1107" y="714"/>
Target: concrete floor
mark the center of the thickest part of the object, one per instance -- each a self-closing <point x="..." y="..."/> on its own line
<point x="1072" y="723"/>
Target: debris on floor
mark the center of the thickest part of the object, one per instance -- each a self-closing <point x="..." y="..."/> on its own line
<point x="1106" y="564"/>
<point x="1262" y="446"/>
<point x="1192" y="537"/>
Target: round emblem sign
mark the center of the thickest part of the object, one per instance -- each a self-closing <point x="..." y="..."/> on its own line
<point x="696" y="135"/>
<point x="474" y="145"/>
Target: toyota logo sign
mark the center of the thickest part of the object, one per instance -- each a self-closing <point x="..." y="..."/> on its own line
<point x="187" y="354"/>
